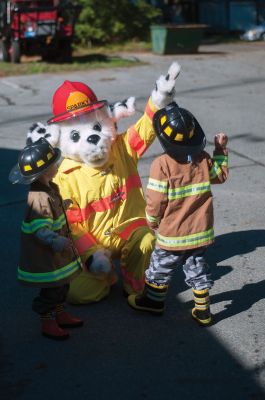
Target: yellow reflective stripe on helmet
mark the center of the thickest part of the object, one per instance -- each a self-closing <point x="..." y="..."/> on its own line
<point x="36" y="224"/>
<point x="163" y="119"/>
<point x="168" y="130"/>
<point x="150" y="218"/>
<point x="221" y="160"/>
<point x="40" y="163"/>
<point x="158" y="186"/>
<point x="189" y="240"/>
<point x="189" y="190"/>
<point x="179" y="137"/>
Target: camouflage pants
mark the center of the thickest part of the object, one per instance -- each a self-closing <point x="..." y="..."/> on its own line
<point x="194" y="265"/>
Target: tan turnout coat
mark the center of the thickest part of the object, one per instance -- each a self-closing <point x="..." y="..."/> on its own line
<point x="180" y="201"/>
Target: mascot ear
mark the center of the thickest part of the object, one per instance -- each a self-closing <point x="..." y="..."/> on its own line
<point x="49" y="132"/>
<point x="164" y="90"/>
<point x="123" y="109"/>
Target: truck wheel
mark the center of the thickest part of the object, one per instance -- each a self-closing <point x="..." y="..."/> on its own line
<point x="15" y="52"/>
<point x="5" y="51"/>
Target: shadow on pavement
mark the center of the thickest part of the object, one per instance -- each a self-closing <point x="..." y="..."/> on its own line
<point x="80" y="59"/>
<point x="241" y="299"/>
<point x="118" y="354"/>
<point x="237" y="244"/>
<point x="209" y="53"/>
<point x="91" y="58"/>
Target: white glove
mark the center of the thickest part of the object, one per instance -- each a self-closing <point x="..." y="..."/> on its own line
<point x="164" y="90"/>
<point x="101" y="262"/>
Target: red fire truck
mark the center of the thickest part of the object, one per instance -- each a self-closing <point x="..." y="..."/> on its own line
<point x="44" y="27"/>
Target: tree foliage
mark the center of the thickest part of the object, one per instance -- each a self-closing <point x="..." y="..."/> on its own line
<point x="114" y="21"/>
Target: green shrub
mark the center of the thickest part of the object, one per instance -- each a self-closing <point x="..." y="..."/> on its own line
<point x="114" y="21"/>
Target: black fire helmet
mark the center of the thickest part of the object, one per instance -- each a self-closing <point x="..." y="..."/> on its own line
<point x="178" y="131"/>
<point x="33" y="161"/>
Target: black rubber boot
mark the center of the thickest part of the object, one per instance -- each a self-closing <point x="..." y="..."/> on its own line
<point x="201" y="312"/>
<point x="151" y="300"/>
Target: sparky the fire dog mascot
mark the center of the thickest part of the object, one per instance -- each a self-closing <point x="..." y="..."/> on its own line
<point x="99" y="182"/>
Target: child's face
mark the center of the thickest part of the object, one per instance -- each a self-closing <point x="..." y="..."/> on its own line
<point x="51" y="172"/>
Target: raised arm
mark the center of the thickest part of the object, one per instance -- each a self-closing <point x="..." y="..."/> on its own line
<point x="219" y="164"/>
<point x="141" y="135"/>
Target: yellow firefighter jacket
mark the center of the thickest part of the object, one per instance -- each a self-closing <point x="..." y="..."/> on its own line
<point x="107" y="202"/>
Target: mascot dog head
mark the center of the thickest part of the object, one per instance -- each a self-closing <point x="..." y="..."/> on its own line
<point x="82" y="126"/>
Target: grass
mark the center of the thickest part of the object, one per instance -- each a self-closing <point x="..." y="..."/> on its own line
<point x="130" y="46"/>
<point x="83" y="59"/>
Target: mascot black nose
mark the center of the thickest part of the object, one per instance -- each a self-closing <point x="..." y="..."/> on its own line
<point x="93" y="139"/>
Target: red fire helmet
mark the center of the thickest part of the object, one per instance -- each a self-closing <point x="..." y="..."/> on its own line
<point x="72" y="99"/>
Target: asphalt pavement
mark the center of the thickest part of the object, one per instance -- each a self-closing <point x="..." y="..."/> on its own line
<point x="119" y="353"/>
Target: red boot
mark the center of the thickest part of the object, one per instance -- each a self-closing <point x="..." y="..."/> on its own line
<point x="50" y="329"/>
<point x="65" y="319"/>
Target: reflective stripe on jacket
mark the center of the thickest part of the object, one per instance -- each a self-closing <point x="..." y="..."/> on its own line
<point x="109" y="200"/>
<point x="179" y="199"/>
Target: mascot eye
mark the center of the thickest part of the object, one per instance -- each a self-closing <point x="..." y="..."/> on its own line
<point x="74" y="135"/>
<point x="97" y="127"/>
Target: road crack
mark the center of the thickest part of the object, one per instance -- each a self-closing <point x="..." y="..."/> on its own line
<point x="8" y="101"/>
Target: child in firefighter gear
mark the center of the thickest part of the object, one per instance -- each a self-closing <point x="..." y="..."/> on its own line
<point x="180" y="208"/>
<point x="48" y="258"/>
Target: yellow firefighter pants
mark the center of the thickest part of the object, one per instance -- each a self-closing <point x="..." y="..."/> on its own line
<point x="134" y="256"/>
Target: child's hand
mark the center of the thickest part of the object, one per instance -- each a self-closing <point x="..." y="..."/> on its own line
<point x="220" y="140"/>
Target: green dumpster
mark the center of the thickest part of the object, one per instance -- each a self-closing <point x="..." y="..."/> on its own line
<point x="175" y="39"/>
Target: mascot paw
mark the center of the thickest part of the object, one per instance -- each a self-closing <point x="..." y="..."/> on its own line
<point x="164" y="91"/>
<point x="101" y="262"/>
<point x="123" y="109"/>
